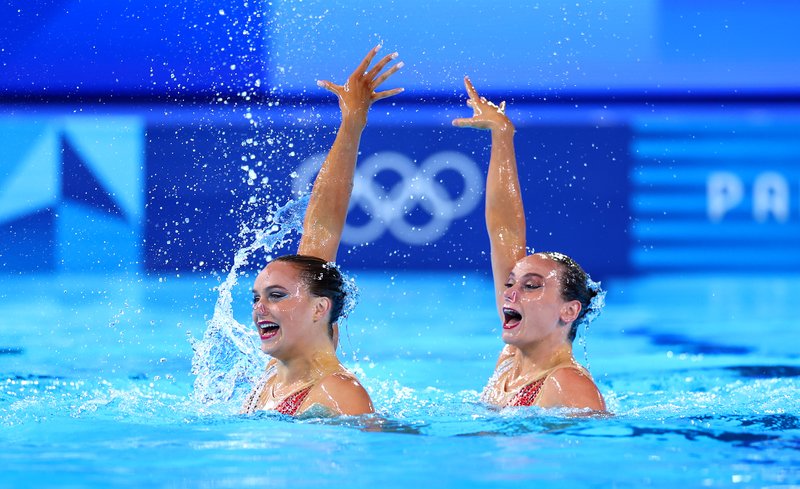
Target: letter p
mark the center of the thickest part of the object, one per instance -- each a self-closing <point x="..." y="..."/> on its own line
<point x="724" y="191"/>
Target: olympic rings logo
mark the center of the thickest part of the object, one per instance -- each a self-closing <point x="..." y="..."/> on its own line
<point x="416" y="189"/>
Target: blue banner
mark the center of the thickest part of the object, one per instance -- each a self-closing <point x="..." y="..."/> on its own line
<point x="418" y="196"/>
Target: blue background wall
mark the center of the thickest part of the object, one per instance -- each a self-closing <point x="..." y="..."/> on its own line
<point x="652" y="136"/>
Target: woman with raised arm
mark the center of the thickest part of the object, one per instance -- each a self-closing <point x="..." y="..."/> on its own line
<point x="298" y="299"/>
<point x="541" y="298"/>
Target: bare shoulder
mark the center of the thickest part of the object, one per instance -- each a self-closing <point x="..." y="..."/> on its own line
<point x="572" y="388"/>
<point x="341" y="393"/>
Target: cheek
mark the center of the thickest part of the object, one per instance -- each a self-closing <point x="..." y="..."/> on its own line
<point x="290" y="310"/>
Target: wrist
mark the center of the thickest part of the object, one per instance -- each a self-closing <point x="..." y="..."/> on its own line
<point x="354" y="122"/>
<point x="504" y="131"/>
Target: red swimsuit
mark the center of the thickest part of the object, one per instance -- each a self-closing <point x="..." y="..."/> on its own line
<point x="527" y="395"/>
<point x="291" y="403"/>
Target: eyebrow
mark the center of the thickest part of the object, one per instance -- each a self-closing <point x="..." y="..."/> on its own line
<point x="271" y="287"/>
<point x="527" y="275"/>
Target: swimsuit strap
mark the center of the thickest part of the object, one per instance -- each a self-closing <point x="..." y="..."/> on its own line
<point x="291" y="403"/>
<point x="528" y="394"/>
<point x="486" y="394"/>
<point x="252" y="399"/>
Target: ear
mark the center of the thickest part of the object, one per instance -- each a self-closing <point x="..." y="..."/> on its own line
<point x="570" y="311"/>
<point x="322" y="305"/>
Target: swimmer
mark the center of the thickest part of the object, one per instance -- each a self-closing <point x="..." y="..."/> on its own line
<point x="298" y="299"/>
<point x="541" y="298"/>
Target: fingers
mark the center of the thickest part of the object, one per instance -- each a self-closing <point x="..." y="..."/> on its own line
<point x="380" y="64"/>
<point x="362" y="68"/>
<point x="473" y="94"/>
<point x="386" y="93"/>
<point x="387" y="74"/>
<point x="362" y="83"/>
<point x="332" y="87"/>
<point x="472" y="122"/>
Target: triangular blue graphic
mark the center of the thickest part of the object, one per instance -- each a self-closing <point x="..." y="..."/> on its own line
<point x="79" y="185"/>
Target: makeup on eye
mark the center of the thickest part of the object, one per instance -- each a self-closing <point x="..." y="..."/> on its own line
<point x="274" y="292"/>
<point x="529" y="281"/>
<point x="276" y="295"/>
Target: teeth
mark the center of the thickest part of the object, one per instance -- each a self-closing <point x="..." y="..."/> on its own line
<point x="265" y="326"/>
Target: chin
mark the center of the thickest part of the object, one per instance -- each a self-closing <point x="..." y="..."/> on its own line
<point x="509" y="338"/>
<point x="269" y="350"/>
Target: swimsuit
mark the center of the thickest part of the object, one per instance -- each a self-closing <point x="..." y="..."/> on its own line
<point x="288" y="406"/>
<point x="291" y="403"/>
<point x="526" y="396"/>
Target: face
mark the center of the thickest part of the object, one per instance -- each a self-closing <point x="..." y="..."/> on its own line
<point x="286" y="315"/>
<point x="533" y="309"/>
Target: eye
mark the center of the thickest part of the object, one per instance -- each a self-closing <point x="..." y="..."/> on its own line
<point x="276" y="295"/>
<point x="509" y="285"/>
<point x="256" y="299"/>
<point x="533" y="286"/>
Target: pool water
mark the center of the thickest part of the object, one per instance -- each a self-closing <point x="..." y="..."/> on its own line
<point x="700" y="371"/>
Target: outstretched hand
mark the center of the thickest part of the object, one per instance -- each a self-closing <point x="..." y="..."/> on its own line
<point x="486" y="115"/>
<point x="358" y="93"/>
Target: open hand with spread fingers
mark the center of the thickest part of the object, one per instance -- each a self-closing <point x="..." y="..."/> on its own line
<point x="359" y="91"/>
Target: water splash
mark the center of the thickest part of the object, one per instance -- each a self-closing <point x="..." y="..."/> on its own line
<point x="227" y="360"/>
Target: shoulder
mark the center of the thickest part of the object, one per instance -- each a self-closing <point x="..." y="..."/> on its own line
<point x="571" y="387"/>
<point x="341" y="393"/>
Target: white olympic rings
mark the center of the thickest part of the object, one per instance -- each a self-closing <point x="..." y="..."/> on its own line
<point x="417" y="188"/>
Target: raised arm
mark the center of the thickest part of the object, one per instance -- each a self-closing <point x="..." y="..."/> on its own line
<point x="330" y="195"/>
<point x="505" y="216"/>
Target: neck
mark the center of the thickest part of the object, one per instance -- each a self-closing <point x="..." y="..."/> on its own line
<point x="542" y="356"/>
<point x="307" y="367"/>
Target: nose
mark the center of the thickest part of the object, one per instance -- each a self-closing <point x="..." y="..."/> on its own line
<point x="258" y="307"/>
<point x="510" y="295"/>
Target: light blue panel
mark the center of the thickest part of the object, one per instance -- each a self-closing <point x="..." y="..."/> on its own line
<point x="662" y="204"/>
<point x="17" y="136"/>
<point x="33" y="181"/>
<point x="698" y="177"/>
<point x="692" y="230"/>
<point x="730" y="147"/>
<point x="90" y="241"/>
<point x="766" y="258"/>
<point x="683" y="202"/>
<point x="113" y="150"/>
<point x="651" y="175"/>
<point x="726" y="123"/>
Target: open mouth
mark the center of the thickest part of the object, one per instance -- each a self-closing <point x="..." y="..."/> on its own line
<point x="511" y="318"/>
<point x="267" y="329"/>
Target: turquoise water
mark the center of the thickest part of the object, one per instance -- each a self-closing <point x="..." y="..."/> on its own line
<point x="700" y="371"/>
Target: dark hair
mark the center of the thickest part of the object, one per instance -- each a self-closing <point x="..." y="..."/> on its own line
<point x="574" y="286"/>
<point x="323" y="280"/>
